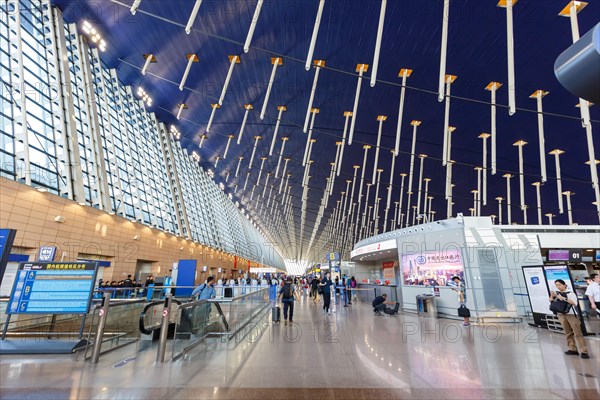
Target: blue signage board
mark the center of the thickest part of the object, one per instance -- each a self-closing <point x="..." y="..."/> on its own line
<point x="332" y="257"/>
<point x="53" y="288"/>
<point x="47" y="253"/>
<point x="7" y="237"/>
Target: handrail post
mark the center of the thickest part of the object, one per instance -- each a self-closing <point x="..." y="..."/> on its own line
<point x="164" y="329"/>
<point x="103" y="313"/>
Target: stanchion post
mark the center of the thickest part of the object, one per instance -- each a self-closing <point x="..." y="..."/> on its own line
<point x="164" y="329"/>
<point x="103" y="314"/>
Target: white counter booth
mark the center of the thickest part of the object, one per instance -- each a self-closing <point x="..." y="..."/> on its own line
<point x="489" y="258"/>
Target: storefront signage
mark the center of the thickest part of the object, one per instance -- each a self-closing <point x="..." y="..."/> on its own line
<point x="53" y="288"/>
<point x="372" y="248"/>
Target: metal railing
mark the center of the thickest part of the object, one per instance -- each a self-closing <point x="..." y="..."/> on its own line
<point x="197" y="320"/>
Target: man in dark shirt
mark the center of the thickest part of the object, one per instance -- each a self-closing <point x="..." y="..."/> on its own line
<point x="314" y="288"/>
<point x="379" y="305"/>
<point x="326" y="284"/>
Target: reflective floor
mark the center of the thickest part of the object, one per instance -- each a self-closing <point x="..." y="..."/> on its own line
<point x="351" y="354"/>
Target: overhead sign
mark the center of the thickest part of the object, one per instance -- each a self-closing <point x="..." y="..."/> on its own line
<point x="47" y="253"/>
<point x="375" y="247"/>
<point x="258" y="270"/>
<point x="53" y="288"/>
<point x="332" y="257"/>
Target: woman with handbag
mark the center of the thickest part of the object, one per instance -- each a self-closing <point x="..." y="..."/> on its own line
<point x="564" y="304"/>
<point x="463" y="311"/>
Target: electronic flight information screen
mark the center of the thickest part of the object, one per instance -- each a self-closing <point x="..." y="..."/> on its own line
<point x="53" y="288"/>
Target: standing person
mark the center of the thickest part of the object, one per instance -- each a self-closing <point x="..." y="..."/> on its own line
<point x="462" y="296"/>
<point x="569" y="320"/>
<point x="200" y="315"/>
<point x="205" y="290"/>
<point x="353" y="285"/>
<point x="326" y="284"/>
<point x="314" y="289"/>
<point x="348" y="290"/>
<point x="286" y="294"/>
<point x="593" y="293"/>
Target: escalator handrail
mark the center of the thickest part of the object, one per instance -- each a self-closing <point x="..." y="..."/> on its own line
<point x="143" y="315"/>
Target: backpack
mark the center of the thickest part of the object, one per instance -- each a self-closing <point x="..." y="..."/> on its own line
<point x="560" y="306"/>
<point x="353" y="284"/>
<point x="287" y="291"/>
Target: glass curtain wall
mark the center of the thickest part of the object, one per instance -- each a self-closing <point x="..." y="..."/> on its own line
<point x="69" y="126"/>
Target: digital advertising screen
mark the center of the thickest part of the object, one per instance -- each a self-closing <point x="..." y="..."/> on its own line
<point x="432" y="268"/>
<point x="53" y="288"/>
<point x="558" y="255"/>
<point x="554" y="272"/>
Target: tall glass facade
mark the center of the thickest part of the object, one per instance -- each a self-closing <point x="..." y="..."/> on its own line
<point x="69" y="126"/>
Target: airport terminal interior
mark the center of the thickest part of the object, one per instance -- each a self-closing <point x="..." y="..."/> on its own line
<point x="320" y="199"/>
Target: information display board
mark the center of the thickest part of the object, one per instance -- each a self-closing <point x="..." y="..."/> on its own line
<point x="53" y="288"/>
<point x="537" y="289"/>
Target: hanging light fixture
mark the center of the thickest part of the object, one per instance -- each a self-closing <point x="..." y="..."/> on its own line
<point x="539" y="201"/>
<point x="380" y="118"/>
<point x="404" y="73"/>
<point x="256" y="139"/>
<point x="276" y="61"/>
<point x="180" y="108"/>
<point x="233" y="60"/>
<point x="510" y="48"/>
<point x="313" y="39"/>
<point x="229" y="137"/>
<point x="253" y="25"/>
<point x="281" y="109"/>
<point x="422" y="158"/>
<point x="262" y="164"/>
<point x="248" y="107"/>
<point x="492" y="87"/>
<point x="390" y="186"/>
<point x="508" y="199"/>
<point x="361" y="69"/>
<point x="237" y="171"/>
<point x="149" y="60"/>
<point x="446" y="152"/>
<point x="520" y="144"/>
<point x="415" y="124"/>
<point x="378" y="42"/>
<point x="538" y="95"/>
<point x="443" y="52"/>
<point x="403" y="176"/>
<point x="202" y="139"/>
<point x="568" y="194"/>
<point x="556" y="153"/>
<point x="484" y="136"/>
<point x="314" y="112"/>
<point x="214" y="107"/>
<point x="318" y="65"/>
<point x="135" y="6"/>
<point x="193" y="15"/>
<point x="192" y="58"/>
<point x="499" y="199"/>
<point x="283" y="140"/>
<point x="286" y="160"/>
<point x="347" y="115"/>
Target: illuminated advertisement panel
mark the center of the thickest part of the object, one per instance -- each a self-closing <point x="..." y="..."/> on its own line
<point x="432" y="268"/>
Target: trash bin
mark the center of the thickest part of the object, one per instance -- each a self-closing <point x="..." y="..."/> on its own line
<point x="426" y="305"/>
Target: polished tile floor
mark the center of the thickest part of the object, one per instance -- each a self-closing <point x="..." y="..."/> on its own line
<point x="351" y="354"/>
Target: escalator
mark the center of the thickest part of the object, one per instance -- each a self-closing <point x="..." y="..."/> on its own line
<point x="197" y="318"/>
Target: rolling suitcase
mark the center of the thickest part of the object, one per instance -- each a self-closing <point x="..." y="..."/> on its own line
<point x="276" y="314"/>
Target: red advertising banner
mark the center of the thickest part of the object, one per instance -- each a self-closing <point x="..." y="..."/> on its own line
<point x="388" y="264"/>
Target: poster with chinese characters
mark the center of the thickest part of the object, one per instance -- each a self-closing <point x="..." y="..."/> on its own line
<point x="432" y="268"/>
